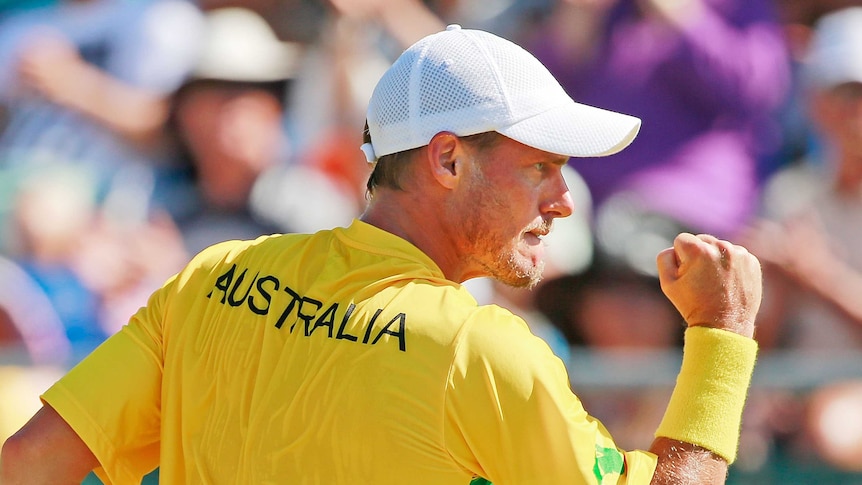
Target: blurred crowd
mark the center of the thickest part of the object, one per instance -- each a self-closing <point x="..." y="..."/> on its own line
<point x="134" y="133"/>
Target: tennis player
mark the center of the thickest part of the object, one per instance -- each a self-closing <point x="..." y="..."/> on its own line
<point x="355" y="356"/>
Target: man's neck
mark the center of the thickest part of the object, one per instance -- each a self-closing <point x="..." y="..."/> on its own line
<point x="419" y="222"/>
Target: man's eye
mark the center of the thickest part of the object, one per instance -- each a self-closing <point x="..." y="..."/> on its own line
<point x="540" y="166"/>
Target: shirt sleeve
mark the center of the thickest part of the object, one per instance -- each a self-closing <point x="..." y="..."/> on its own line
<point x="511" y="417"/>
<point x="112" y="397"/>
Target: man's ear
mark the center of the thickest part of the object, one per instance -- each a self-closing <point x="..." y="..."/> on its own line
<point x="443" y="156"/>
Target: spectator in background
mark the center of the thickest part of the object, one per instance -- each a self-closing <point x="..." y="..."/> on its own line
<point x="323" y="183"/>
<point x="798" y="134"/>
<point x="514" y="18"/>
<point x="30" y="330"/>
<point x="705" y="76"/>
<point x="84" y="86"/>
<point x="812" y="209"/>
<point x="228" y="119"/>
<point x="86" y="83"/>
<point x="52" y="212"/>
<point x="808" y="241"/>
<point x="358" y="40"/>
<point x="77" y="266"/>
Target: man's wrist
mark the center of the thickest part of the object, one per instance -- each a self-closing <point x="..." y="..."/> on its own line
<point x="735" y="324"/>
<point x="707" y="402"/>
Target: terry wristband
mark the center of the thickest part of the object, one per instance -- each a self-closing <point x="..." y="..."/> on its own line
<point x="705" y="408"/>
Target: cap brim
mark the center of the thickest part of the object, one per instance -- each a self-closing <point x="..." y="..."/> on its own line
<point x="576" y="130"/>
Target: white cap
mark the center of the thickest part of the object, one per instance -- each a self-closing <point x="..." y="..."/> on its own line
<point x="835" y="52"/>
<point x="241" y="46"/>
<point x="470" y="81"/>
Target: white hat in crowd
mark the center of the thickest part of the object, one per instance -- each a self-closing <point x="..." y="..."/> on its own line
<point x="239" y="45"/>
<point x="470" y="81"/>
<point x="835" y="52"/>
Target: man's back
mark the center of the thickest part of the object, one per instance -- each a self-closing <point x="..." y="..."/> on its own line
<point x="316" y="361"/>
<point x="295" y="355"/>
<point x="342" y="357"/>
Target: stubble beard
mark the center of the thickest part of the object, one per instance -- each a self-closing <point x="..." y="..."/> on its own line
<point x="497" y="253"/>
<point x="520" y="275"/>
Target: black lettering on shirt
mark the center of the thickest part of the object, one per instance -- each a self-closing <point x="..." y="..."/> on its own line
<point x="341" y="334"/>
<point x="306" y="317"/>
<point x="231" y="298"/>
<point x="294" y="297"/>
<point x="261" y="295"/>
<point x="325" y="320"/>
<point x="265" y="294"/>
<point x="371" y="325"/>
<point x="400" y="318"/>
<point x="223" y="283"/>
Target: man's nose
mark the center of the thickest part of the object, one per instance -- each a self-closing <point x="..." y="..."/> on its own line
<point x="560" y="203"/>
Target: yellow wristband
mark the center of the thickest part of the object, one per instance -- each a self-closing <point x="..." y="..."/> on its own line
<point x="705" y="408"/>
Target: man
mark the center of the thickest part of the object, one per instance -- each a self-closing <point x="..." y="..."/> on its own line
<point x="355" y="356"/>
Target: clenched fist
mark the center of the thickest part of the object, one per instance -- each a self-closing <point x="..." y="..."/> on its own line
<point x="712" y="282"/>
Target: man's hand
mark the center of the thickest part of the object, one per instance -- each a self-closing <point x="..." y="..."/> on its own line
<point x="712" y="282"/>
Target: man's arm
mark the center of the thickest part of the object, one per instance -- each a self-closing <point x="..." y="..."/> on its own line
<point x="45" y="451"/>
<point x="52" y="67"/>
<point x="713" y="284"/>
<point x="681" y="463"/>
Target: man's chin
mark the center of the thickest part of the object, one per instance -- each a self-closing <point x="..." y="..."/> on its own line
<point x="529" y="283"/>
<point x="533" y="248"/>
<point x="525" y="276"/>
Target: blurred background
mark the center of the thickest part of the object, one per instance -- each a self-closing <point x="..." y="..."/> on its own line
<point x="134" y="133"/>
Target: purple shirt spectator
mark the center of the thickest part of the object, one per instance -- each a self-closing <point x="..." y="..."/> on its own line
<point x="706" y="89"/>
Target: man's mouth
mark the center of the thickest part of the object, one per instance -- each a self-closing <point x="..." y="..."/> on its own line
<point x="535" y="236"/>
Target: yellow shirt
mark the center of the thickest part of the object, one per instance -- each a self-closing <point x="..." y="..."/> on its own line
<point x="340" y="357"/>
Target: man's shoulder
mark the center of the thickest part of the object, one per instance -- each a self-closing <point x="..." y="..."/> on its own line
<point x="261" y="251"/>
<point x="436" y="305"/>
<point x="495" y="320"/>
<point x="496" y="342"/>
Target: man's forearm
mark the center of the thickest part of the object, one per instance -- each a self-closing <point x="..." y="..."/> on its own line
<point x="45" y="451"/>
<point x="717" y="288"/>
<point x="681" y="463"/>
<point x="706" y="408"/>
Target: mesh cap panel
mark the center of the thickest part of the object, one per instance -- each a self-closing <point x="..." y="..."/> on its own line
<point x="470" y="81"/>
